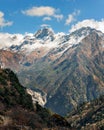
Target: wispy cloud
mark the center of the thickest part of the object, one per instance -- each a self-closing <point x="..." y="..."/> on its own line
<point x="45" y="25"/>
<point x="58" y="17"/>
<point x="99" y="25"/>
<point x="72" y="17"/>
<point x="46" y="11"/>
<point x="46" y="18"/>
<point x="3" y="22"/>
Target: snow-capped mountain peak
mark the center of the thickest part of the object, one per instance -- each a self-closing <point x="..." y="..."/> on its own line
<point x="44" y="38"/>
<point x="45" y="33"/>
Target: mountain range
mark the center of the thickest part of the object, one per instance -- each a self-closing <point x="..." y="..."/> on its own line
<point x="67" y="68"/>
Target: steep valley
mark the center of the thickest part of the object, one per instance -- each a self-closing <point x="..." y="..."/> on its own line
<point x="17" y="112"/>
<point x="69" y="68"/>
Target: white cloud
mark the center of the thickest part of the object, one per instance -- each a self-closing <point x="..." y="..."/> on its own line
<point x="6" y="39"/>
<point x="58" y="17"/>
<point x="44" y="25"/>
<point x="99" y="25"/>
<point x="40" y="11"/>
<point x="46" y="11"/>
<point x="72" y="17"/>
<point x="46" y="18"/>
<point x="3" y="22"/>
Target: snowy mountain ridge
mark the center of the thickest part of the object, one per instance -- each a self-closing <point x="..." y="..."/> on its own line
<point x="43" y="38"/>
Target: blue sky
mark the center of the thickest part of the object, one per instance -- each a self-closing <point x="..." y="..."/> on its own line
<point x="20" y="16"/>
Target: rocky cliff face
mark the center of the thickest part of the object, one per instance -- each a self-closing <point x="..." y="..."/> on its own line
<point x="80" y="74"/>
<point x="39" y="97"/>
<point x="68" y="68"/>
